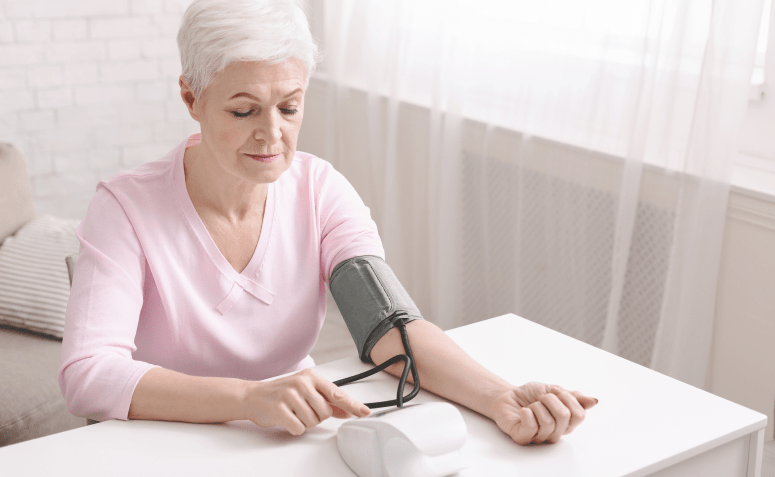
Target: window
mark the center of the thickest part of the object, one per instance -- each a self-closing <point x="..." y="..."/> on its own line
<point x="571" y="72"/>
<point x="756" y="142"/>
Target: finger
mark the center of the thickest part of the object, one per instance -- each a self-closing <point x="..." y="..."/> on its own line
<point x="545" y="421"/>
<point x="576" y="410"/>
<point x="319" y="405"/>
<point x="291" y="422"/>
<point x="524" y="432"/>
<point x="585" y="401"/>
<point x="340" y="399"/>
<point x="555" y="389"/>
<point x="340" y="414"/>
<point x="301" y="408"/>
<point x="560" y="413"/>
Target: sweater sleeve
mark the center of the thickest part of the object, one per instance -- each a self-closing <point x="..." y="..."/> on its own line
<point x="98" y="375"/>
<point x="347" y="229"/>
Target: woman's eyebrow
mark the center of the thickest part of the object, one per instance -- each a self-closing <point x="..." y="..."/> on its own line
<point x="248" y="95"/>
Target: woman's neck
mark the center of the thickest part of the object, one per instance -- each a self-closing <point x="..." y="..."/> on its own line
<point x="214" y="190"/>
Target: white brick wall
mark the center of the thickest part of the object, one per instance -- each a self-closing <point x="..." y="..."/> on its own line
<point x="88" y="88"/>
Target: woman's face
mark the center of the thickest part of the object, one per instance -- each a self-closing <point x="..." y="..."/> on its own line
<point x="250" y="117"/>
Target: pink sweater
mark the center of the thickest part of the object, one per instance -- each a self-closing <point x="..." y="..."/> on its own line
<point x="152" y="289"/>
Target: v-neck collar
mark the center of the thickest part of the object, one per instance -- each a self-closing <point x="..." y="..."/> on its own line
<point x="245" y="280"/>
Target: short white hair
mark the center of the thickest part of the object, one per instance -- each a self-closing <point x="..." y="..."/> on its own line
<point x="215" y="33"/>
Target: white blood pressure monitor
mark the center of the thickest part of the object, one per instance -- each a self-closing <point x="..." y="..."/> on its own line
<point x="417" y="440"/>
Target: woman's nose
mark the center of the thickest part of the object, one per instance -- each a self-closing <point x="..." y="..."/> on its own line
<point x="268" y="128"/>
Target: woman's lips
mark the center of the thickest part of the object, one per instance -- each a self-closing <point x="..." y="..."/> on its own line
<point x="266" y="158"/>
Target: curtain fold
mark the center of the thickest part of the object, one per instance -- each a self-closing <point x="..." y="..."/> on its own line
<point x="568" y="161"/>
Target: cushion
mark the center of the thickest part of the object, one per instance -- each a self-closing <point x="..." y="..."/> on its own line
<point x="31" y="404"/>
<point x="34" y="285"/>
<point x="15" y="192"/>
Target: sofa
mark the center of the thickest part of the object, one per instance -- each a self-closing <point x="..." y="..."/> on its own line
<point x="31" y="403"/>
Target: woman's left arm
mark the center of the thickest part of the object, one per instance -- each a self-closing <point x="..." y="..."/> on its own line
<point x="531" y="413"/>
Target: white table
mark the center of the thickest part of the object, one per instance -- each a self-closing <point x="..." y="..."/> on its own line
<point x="645" y="424"/>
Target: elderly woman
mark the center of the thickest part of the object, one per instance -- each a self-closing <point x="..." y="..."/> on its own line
<point x="203" y="274"/>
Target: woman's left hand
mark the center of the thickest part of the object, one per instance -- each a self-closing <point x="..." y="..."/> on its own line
<point x="536" y="412"/>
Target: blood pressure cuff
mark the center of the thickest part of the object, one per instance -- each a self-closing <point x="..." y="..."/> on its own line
<point x="371" y="300"/>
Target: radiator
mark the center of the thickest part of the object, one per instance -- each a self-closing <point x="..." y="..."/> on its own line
<point x="541" y="246"/>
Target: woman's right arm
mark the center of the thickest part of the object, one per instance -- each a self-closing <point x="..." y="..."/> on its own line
<point x="98" y="374"/>
<point x="296" y="402"/>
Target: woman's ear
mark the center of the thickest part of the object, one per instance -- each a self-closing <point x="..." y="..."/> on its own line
<point x="189" y="98"/>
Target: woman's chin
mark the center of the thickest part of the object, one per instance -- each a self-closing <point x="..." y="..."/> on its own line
<point x="263" y="173"/>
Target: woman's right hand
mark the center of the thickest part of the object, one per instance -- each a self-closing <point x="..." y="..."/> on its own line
<point x="298" y="402"/>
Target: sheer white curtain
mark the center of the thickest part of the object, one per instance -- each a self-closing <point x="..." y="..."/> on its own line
<point x="564" y="160"/>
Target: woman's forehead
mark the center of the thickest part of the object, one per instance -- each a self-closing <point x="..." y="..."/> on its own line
<point x="258" y="78"/>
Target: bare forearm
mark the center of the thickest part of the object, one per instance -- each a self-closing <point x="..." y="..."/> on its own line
<point x="165" y="395"/>
<point x="445" y="369"/>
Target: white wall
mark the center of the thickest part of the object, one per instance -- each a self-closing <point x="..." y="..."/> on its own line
<point x="88" y="88"/>
<point x="743" y="368"/>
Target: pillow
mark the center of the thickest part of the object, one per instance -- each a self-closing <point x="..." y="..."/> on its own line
<point x="34" y="286"/>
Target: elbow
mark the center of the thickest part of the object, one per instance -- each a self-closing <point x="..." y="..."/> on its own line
<point x="87" y="391"/>
<point x="100" y="386"/>
<point x="76" y="397"/>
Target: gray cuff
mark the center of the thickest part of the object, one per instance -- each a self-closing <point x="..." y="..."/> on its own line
<point x="371" y="300"/>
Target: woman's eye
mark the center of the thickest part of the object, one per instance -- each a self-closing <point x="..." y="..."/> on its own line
<point x="238" y="114"/>
<point x="289" y="111"/>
